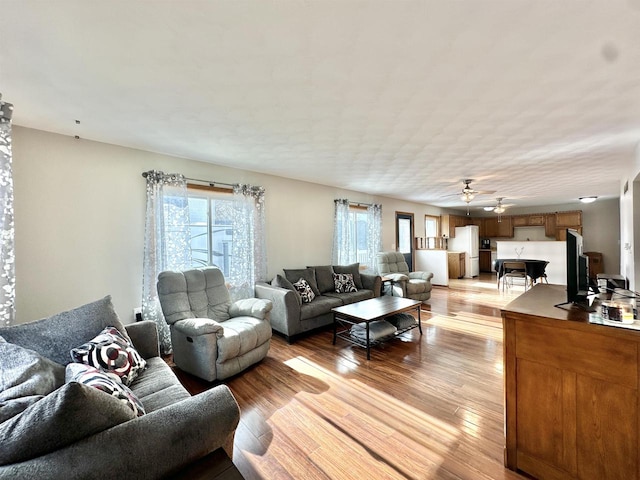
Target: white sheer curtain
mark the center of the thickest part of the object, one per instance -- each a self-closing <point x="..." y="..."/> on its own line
<point x="167" y="241"/>
<point x="7" y="248"/>
<point x="248" y="251"/>
<point x="374" y="234"/>
<point x="344" y="248"/>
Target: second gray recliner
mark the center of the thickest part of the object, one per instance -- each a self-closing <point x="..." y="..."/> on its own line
<point x="414" y="285"/>
<point x="212" y="337"/>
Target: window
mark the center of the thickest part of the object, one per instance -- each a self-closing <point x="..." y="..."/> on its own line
<point x="359" y="225"/>
<point x="210" y="224"/>
<point x="431" y="230"/>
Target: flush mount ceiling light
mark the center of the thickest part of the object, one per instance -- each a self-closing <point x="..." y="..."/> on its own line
<point x="590" y="199"/>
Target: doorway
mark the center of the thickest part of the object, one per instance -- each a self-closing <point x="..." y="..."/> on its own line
<point x="404" y="236"/>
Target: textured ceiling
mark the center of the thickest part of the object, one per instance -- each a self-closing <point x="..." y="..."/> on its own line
<point x="538" y="100"/>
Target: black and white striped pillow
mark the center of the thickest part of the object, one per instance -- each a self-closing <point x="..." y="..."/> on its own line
<point x="107" y="382"/>
<point x="111" y="352"/>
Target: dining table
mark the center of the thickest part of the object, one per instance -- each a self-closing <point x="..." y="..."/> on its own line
<point x="535" y="269"/>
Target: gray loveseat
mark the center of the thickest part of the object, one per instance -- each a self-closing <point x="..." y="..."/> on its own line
<point x="292" y="317"/>
<point x="56" y="430"/>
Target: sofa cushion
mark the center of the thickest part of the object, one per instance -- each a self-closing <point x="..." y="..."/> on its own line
<point x="415" y="286"/>
<point x="25" y="377"/>
<point x="352" y="297"/>
<point x="305" y="291"/>
<point x="51" y="336"/>
<point x="70" y="413"/>
<point x="112" y="352"/>
<point x="309" y="274"/>
<point x="158" y="386"/>
<point x="324" y="278"/>
<point x="353" y="269"/>
<point x="343" y="283"/>
<point x="282" y="282"/>
<point x="106" y="382"/>
<point x="320" y="306"/>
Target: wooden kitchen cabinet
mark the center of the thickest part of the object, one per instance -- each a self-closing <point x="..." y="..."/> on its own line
<point x="448" y="224"/>
<point x="550" y="225"/>
<point x="569" y="219"/>
<point x="495" y="228"/>
<point x="571" y="391"/>
<point x="456" y="264"/>
<point x="536" y="220"/>
<point x="485" y="261"/>
<point x="520" y="220"/>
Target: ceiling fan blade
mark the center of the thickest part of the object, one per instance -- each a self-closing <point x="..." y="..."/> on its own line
<point x="484" y="192"/>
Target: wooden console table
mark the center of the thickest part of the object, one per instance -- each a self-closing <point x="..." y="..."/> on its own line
<point x="571" y="391"/>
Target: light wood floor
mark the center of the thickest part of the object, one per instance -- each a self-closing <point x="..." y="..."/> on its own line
<point x="423" y="407"/>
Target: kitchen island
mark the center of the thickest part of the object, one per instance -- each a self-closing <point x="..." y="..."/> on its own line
<point x="571" y="391"/>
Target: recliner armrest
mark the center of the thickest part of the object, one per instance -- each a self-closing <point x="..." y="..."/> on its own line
<point x="199" y="326"/>
<point x="397" y="277"/>
<point x="421" y="275"/>
<point x="251" y="307"/>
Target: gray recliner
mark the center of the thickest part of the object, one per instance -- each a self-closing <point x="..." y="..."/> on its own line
<point x="212" y="337"/>
<point x="414" y="285"/>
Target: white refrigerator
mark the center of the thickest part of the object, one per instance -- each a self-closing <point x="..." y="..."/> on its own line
<point x="467" y="240"/>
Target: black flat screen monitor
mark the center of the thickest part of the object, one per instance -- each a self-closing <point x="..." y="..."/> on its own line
<point x="577" y="269"/>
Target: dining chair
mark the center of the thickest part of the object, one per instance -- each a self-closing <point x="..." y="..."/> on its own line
<point x="513" y="270"/>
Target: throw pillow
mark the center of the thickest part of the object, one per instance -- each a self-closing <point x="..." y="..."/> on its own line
<point x="106" y="382"/>
<point x="309" y="275"/>
<point x="305" y="291"/>
<point x="344" y="283"/>
<point x="112" y="352"/>
<point x="324" y="278"/>
<point x="280" y="281"/>
<point x="353" y="269"/>
<point x="54" y="336"/>
<point x="65" y="416"/>
<point x="25" y="377"/>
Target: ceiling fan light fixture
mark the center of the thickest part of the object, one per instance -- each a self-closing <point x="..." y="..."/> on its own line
<point x="467" y="197"/>
<point x="590" y="199"/>
<point x="499" y="209"/>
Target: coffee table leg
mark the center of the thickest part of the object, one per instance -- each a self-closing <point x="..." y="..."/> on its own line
<point x="335" y="325"/>
<point x="368" y="344"/>
<point x="419" y="322"/>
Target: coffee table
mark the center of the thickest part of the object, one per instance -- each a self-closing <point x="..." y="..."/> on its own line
<point x="369" y="310"/>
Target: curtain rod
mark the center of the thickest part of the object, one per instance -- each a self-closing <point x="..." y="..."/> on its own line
<point x="209" y="182"/>
<point x="358" y="204"/>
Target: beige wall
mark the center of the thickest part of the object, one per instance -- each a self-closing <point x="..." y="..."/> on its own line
<point x="79" y="210"/>
<point x="79" y="214"/>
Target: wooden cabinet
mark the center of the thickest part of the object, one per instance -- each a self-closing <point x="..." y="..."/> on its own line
<point x="596" y="265"/>
<point x="485" y="261"/>
<point x="448" y="224"/>
<point x="495" y="228"/>
<point x="456" y="264"/>
<point x="520" y="220"/>
<point x="561" y="233"/>
<point x="571" y="391"/>
<point x="569" y="219"/>
<point x="550" y="225"/>
<point x="533" y="220"/>
<point x="536" y="220"/>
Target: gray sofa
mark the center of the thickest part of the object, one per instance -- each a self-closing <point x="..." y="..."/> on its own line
<point x="75" y="431"/>
<point x="291" y="317"/>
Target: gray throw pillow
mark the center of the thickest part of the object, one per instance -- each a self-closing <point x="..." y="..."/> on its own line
<point x="324" y="277"/>
<point x="353" y="269"/>
<point x="71" y="413"/>
<point x="280" y="281"/>
<point x="309" y="274"/>
<point x="25" y="377"/>
<point x="55" y="336"/>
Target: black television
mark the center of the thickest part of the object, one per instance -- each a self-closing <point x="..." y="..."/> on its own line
<point x="577" y="269"/>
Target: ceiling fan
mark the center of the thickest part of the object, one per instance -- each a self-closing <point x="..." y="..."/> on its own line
<point x="467" y="194"/>
<point x="499" y="207"/>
